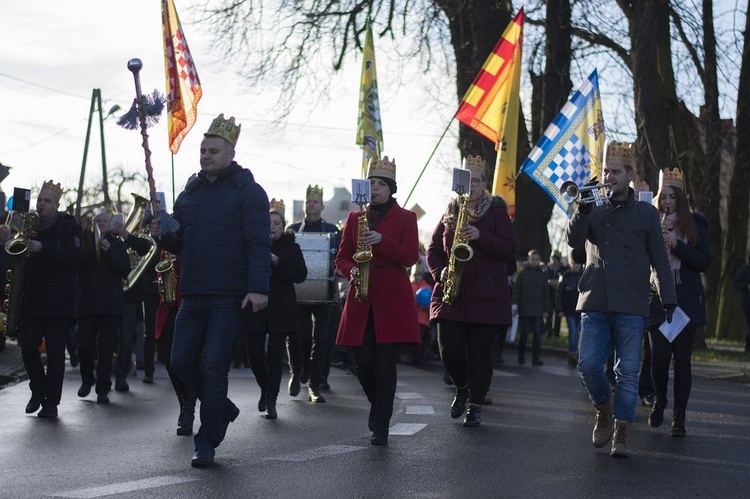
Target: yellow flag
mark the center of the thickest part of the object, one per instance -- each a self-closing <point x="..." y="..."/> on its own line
<point x="369" y="127"/>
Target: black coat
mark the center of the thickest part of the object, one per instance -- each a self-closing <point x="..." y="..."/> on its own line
<point x="100" y="281"/>
<point x="690" y="298"/>
<point x="49" y="290"/>
<point x="141" y="246"/>
<point x="280" y="317"/>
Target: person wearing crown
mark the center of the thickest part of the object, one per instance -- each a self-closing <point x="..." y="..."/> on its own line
<point x="49" y="299"/>
<point x="267" y="329"/>
<point x="623" y="241"/>
<point x="686" y="240"/>
<point x="467" y="327"/>
<point x="386" y="319"/>
<point x="225" y="266"/>
<point x="100" y="303"/>
<point x="310" y="351"/>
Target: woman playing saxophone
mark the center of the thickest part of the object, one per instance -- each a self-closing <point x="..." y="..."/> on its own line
<point x="480" y="295"/>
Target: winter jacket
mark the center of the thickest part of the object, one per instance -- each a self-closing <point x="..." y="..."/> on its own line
<point x="224" y="238"/>
<point x="484" y="294"/>
<point x="623" y="242"/>
<point x="567" y="293"/>
<point x="531" y="293"/>
<point x="100" y="280"/>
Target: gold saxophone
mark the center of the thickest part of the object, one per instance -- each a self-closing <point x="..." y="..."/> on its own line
<point x="166" y="279"/>
<point x="362" y="257"/>
<point x="17" y="249"/>
<point x="138" y="263"/>
<point x="461" y="252"/>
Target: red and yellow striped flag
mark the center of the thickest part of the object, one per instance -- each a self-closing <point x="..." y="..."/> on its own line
<point x="491" y="107"/>
<point x="183" y="83"/>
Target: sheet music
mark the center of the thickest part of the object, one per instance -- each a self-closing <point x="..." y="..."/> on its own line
<point x="670" y="330"/>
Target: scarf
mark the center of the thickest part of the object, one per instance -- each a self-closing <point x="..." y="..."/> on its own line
<point x="669" y="223"/>
<point x="476" y="210"/>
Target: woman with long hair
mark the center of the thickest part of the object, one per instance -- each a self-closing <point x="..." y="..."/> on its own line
<point x="689" y="251"/>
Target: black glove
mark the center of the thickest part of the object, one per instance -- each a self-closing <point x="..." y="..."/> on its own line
<point x="585" y="208"/>
<point x="669" y="309"/>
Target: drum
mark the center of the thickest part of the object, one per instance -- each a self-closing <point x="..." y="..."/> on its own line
<point x="319" y="250"/>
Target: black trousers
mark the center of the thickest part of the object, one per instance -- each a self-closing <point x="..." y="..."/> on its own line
<point x="645" y="383"/>
<point x="466" y="350"/>
<point x="150" y="305"/>
<point x="164" y="348"/>
<point x="376" y="371"/>
<point x="266" y="361"/>
<point x="55" y="334"/>
<point x="661" y="354"/>
<point x="310" y="350"/>
<point x="97" y="335"/>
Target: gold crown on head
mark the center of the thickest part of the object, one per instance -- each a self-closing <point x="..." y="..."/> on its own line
<point x="226" y="129"/>
<point x="50" y="185"/>
<point x="475" y="164"/>
<point x="382" y="168"/>
<point x="640" y="186"/>
<point x="671" y="178"/>
<point x="277" y="206"/>
<point x="314" y="192"/>
<point x="620" y="153"/>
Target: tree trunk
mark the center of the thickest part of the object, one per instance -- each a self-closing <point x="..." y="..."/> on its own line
<point x="534" y="204"/>
<point x="730" y="324"/>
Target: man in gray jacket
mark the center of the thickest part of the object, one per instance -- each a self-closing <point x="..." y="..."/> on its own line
<point x="623" y="242"/>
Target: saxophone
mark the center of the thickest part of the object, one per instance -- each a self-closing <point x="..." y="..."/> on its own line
<point x="17" y="249"/>
<point x="166" y="279"/>
<point x="362" y="257"/>
<point x="461" y="252"/>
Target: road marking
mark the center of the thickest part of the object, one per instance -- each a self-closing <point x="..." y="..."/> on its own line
<point x="420" y="409"/>
<point x="125" y="487"/>
<point x="408" y="395"/>
<point x="406" y="428"/>
<point x="328" y="450"/>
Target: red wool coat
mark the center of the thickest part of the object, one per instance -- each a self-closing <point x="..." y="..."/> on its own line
<point x="389" y="295"/>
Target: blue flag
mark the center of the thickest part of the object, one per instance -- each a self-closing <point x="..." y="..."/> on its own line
<point x="572" y="146"/>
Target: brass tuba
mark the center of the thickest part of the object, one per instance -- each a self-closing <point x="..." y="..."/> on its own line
<point x="461" y="252"/>
<point x="17" y="249"/>
<point x="138" y="263"/>
<point x="166" y="279"/>
<point x="362" y="257"/>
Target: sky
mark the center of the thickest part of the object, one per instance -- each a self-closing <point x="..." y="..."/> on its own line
<point x="54" y="56"/>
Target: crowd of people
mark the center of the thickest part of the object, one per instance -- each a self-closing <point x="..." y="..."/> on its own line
<point x="633" y="268"/>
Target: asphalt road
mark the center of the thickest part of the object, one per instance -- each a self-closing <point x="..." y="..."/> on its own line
<point x="534" y="441"/>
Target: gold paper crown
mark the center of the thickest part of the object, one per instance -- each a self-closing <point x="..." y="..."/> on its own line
<point x="277" y="206"/>
<point x="382" y="168"/>
<point x="640" y="186"/>
<point x="50" y="185"/>
<point x="619" y="153"/>
<point x="314" y="192"/>
<point x="226" y="129"/>
<point x="671" y="178"/>
<point x="475" y="164"/>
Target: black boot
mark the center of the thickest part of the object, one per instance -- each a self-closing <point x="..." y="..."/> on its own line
<point x="473" y="416"/>
<point x="271" y="407"/>
<point x="371" y="418"/>
<point x="459" y="402"/>
<point x="380" y="433"/>
<point x="262" y="401"/>
<point x="678" y="424"/>
<point x="187" y="415"/>
<point x="656" y="417"/>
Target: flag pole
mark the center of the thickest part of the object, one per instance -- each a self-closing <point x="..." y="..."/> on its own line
<point x="429" y="159"/>
<point x="172" y="180"/>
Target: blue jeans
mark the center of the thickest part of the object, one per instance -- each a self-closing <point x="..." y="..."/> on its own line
<point x="205" y="330"/>
<point x="574" y="329"/>
<point x="601" y="335"/>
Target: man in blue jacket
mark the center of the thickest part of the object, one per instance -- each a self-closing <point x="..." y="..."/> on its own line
<point x="623" y="242"/>
<point x="225" y="263"/>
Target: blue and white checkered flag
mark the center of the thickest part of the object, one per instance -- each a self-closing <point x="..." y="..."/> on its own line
<point x="572" y="146"/>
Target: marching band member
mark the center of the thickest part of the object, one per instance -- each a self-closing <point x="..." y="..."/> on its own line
<point x="225" y="266"/>
<point x="310" y="351"/>
<point x="387" y="319"/>
<point x="100" y="304"/>
<point x="268" y="328"/>
<point x="467" y="327"/>
<point x="49" y="299"/>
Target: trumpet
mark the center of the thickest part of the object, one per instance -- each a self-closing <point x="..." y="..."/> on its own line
<point x="598" y="194"/>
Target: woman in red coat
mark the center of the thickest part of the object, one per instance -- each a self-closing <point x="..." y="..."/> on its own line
<point x="467" y="327"/>
<point x="387" y="319"/>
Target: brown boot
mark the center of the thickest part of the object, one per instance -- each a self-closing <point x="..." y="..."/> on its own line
<point x="602" y="425"/>
<point x="620" y="440"/>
